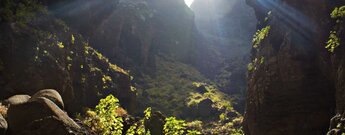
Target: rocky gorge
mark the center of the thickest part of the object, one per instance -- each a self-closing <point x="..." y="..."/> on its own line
<point x="139" y="67"/>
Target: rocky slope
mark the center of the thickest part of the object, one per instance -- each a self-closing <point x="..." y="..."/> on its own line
<point x="294" y="82"/>
<point x="40" y="51"/>
<point x="147" y="37"/>
<point x="132" y="32"/>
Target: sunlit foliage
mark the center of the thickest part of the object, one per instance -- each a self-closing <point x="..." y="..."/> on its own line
<point x="174" y="126"/>
<point x="250" y="67"/>
<point x="139" y="127"/>
<point x="338" y="12"/>
<point x="103" y="119"/>
<point x="220" y="100"/>
<point x="260" y="35"/>
<point x="333" y="41"/>
<point x="161" y="91"/>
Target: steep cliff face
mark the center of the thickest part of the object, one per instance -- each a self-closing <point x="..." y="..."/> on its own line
<point x="292" y="86"/>
<point x="39" y="51"/>
<point x="337" y="59"/>
<point x="132" y="32"/>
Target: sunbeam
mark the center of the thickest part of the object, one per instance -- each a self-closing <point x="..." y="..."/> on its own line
<point x="188" y="2"/>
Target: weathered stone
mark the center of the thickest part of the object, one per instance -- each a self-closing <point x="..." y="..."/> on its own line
<point x="156" y="123"/>
<point x="52" y="95"/>
<point x="16" y="99"/>
<point x="205" y="108"/>
<point x="21" y="115"/>
<point x="3" y="125"/>
<point x="48" y="126"/>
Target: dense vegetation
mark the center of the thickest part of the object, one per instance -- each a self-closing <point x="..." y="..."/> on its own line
<point x="107" y="118"/>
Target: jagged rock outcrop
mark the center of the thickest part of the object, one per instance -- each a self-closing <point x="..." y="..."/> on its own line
<point x="292" y="87"/>
<point x="40" y="51"/>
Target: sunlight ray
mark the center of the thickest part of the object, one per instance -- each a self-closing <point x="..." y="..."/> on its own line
<point x="188" y="2"/>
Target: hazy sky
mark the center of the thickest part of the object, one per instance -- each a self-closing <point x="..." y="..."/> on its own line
<point x="189" y="2"/>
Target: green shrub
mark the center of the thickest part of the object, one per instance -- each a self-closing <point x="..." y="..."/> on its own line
<point x="174" y="126"/>
<point x="260" y="35"/>
<point x="250" y="66"/>
<point x="338" y="12"/>
<point x="103" y="119"/>
<point x="333" y="42"/>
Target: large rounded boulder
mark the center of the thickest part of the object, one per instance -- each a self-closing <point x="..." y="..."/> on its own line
<point x="3" y="125"/>
<point x="39" y="111"/>
<point x="52" y="95"/>
<point x="16" y="99"/>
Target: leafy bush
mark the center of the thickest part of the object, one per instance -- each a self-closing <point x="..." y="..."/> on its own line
<point x="333" y="42"/>
<point x="260" y="35"/>
<point x="174" y="126"/>
<point x="220" y="100"/>
<point x="104" y="119"/>
<point x="338" y="12"/>
<point x="250" y="66"/>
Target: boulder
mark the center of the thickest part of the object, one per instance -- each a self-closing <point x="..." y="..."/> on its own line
<point x="16" y="99"/>
<point x="205" y="108"/>
<point x="3" y="125"/>
<point x="52" y="95"/>
<point x="22" y="115"/>
<point x="202" y="89"/>
<point x="50" y="125"/>
<point x="156" y="123"/>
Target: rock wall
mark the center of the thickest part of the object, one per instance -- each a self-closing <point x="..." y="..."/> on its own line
<point x="293" y="87"/>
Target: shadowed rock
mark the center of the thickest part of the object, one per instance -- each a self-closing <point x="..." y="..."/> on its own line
<point x="156" y="123"/>
<point x="20" y="116"/>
